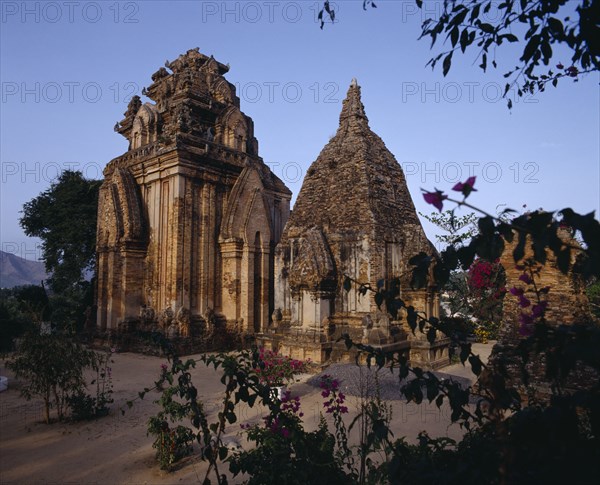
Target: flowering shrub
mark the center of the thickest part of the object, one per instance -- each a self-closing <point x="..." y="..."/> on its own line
<point x="336" y="398"/>
<point x="276" y="370"/>
<point x="84" y="406"/>
<point x="531" y="311"/>
<point x="486" y="286"/>
<point x="511" y="437"/>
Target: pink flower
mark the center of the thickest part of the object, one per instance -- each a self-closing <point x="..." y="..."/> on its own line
<point x="436" y="199"/>
<point x="466" y="187"/>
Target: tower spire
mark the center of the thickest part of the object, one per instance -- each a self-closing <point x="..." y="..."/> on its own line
<point x="352" y="107"/>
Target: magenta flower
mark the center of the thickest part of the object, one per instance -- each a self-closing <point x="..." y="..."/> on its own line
<point x="436" y="199"/>
<point x="466" y="187"/>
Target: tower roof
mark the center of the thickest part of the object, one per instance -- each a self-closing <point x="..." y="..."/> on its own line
<point x="356" y="185"/>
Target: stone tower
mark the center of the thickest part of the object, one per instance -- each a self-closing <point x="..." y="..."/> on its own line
<point x="353" y="217"/>
<point x="190" y="215"/>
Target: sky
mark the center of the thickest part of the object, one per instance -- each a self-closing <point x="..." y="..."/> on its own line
<point x="69" y="68"/>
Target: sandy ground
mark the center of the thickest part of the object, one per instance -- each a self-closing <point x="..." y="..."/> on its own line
<point x="116" y="450"/>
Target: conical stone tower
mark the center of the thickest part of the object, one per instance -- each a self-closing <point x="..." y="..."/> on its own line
<point x="353" y="217"/>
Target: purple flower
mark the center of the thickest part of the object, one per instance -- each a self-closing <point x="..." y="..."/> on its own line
<point x="526" y="328"/>
<point x="539" y="309"/>
<point x="466" y="187"/>
<point x="436" y="199"/>
<point x="525" y="279"/>
<point x="516" y="291"/>
<point x="523" y="302"/>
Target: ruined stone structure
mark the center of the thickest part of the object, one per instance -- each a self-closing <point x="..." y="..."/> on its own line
<point x="190" y="215"/>
<point x="567" y="304"/>
<point x="353" y="217"/>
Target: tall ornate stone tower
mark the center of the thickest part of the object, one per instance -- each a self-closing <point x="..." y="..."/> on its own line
<point x="190" y="215"/>
<point x="353" y="217"/>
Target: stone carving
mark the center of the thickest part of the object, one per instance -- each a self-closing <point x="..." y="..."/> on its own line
<point x="354" y="217"/>
<point x="183" y="320"/>
<point x="147" y="314"/>
<point x="172" y="331"/>
<point x="313" y="267"/>
<point x="276" y="317"/>
<point x="159" y="216"/>
<point x="166" y="318"/>
<point x="191" y="213"/>
<point x="210" y="320"/>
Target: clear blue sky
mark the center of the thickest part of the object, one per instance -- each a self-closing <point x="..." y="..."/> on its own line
<point x="68" y="70"/>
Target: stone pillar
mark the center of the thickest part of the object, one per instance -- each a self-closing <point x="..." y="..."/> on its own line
<point x="232" y="255"/>
<point x="131" y="283"/>
<point x="247" y="288"/>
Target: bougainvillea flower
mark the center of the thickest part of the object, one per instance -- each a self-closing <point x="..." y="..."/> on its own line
<point x="523" y="302"/>
<point x="525" y="278"/>
<point x="526" y="328"/>
<point x="539" y="309"/>
<point x="516" y="291"/>
<point x="436" y="199"/>
<point x="466" y="187"/>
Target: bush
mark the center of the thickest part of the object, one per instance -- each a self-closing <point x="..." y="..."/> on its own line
<point x="52" y="366"/>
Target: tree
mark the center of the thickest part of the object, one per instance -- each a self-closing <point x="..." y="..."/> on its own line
<point x="64" y="218"/>
<point x="537" y="24"/>
<point x="52" y="365"/>
<point x="460" y="228"/>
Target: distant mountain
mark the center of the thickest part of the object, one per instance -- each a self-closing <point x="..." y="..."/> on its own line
<point x="15" y="271"/>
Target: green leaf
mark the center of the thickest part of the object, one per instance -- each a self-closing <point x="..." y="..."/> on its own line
<point x="465" y="350"/>
<point x="347" y="284"/>
<point x="464" y="40"/>
<point x="454" y="36"/>
<point x="487" y="28"/>
<point x="530" y="48"/>
<point x="475" y="364"/>
<point x="447" y="63"/>
<point x="556" y="27"/>
<point x="411" y="318"/>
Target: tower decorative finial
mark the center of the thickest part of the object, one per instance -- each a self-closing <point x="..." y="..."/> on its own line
<point x="352" y="107"/>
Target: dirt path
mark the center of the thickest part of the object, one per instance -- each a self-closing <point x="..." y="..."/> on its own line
<point x="116" y="450"/>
